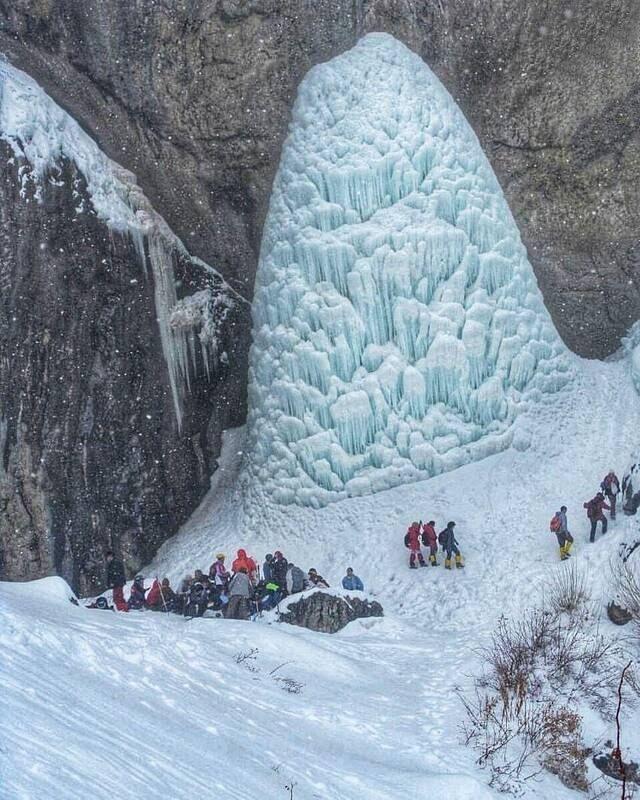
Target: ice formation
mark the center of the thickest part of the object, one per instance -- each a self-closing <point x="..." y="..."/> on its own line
<point x="41" y="135"/>
<point x="398" y="325"/>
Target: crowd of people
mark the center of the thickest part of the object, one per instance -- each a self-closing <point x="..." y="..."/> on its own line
<point x="236" y="593"/>
<point x="425" y="534"/>
<point x="609" y="491"/>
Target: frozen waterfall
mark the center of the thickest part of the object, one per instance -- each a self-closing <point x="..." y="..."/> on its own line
<point x="398" y="324"/>
<point x="41" y="135"/>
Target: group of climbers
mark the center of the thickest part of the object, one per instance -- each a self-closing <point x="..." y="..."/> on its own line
<point x="235" y="593"/>
<point x="609" y="490"/>
<point x="425" y="534"/>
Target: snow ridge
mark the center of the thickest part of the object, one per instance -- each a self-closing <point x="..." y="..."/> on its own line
<point x="42" y="135"/>
<point x="398" y="325"/>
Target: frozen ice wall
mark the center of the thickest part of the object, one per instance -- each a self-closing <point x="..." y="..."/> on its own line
<point x="398" y="324"/>
<point x="41" y="135"/>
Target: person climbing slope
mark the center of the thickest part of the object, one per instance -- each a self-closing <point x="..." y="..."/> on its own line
<point x="595" y="514"/>
<point x="449" y="544"/>
<point x="412" y="541"/>
<point x="559" y="526"/>
<point x="430" y="540"/>
<point x="611" y="488"/>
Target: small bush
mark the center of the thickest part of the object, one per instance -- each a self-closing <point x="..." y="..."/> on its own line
<point x="568" y="592"/>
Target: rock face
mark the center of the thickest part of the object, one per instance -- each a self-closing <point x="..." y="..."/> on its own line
<point x="194" y="98"/>
<point x="327" y="613"/>
<point x="91" y="452"/>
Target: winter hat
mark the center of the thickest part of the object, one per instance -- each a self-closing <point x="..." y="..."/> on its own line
<point x="268" y="557"/>
<point x="220" y="556"/>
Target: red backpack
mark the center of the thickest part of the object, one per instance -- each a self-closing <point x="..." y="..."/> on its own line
<point x="555" y="524"/>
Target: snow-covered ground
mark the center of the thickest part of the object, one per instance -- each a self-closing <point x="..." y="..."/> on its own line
<point x="102" y="705"/>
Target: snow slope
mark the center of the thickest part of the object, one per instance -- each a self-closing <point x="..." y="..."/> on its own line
<point x="398" y="325"/>
<point x="123" y="704"/>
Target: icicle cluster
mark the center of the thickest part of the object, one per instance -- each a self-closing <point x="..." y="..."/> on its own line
<point x="397" y="321"/>
<point x="41" y="136"/>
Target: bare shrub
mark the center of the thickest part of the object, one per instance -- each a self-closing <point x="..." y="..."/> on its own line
<point x="567" y="592"/>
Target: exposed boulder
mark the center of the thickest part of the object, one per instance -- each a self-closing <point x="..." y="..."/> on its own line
<point x="328" y="613"/>
<point x="613" y="767"/>
<point x="618" y="615"/>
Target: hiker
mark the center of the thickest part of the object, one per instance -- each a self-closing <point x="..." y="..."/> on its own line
<point x="137" y="595"/>
<point x="116" y="580"/>
<point x="296" y="581"/>
<point x="266" y="567"/>
<point x="594" y="513"/>
<point x="218" y="572"/>
<point x="197" y="600"/>
<point x="200" y="577"/>
<point x="430" y="540"/>
<point x="611" y="488"/>
<point x="352" y="582"/>
<point x="412" y="541"/>
<point x="239" y="594"/>
<point x="317" y="580"/>
<point x="279" y="570"/>
<point x="101" y="603"/>
<point x="449" y="544"/>
<point x="243" y="560"/>
<point x="161" y="596"/>
<point x="558" y="525"/>
<point x="271" y="597"/>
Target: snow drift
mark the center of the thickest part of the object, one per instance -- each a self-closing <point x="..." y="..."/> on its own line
<point x="398" y="325"/>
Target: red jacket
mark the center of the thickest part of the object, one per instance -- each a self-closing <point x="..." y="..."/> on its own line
<point x="243" y="560"/>
<point x="594" y="508"/>
<point x="414" y="537"/>
<point x="429" y="536"/>
<point x="153" y="598"/>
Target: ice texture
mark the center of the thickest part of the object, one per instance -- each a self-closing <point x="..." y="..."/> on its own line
<point x="41" y="136"/>
<point x="397" y="323"/>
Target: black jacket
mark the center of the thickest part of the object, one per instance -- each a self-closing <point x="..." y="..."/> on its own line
<point x="279" y="572"/>
<point x="115" y="574"/>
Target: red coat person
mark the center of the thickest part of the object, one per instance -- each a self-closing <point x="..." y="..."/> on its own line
<point x="243" y="560"/>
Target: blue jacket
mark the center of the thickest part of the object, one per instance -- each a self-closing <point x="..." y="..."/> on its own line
<point x="352" y="583"/>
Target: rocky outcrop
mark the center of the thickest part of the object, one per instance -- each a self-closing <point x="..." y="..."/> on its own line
<point x="91" y="452"/>
<point x="328" y="613"/>
<point x="194" y="98"/>
<point x="618" y="615"/>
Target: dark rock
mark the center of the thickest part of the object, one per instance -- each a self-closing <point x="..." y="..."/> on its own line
<point x="92" y="457"/>
<point x="611" y="766"/>
<point x="618" y="615"/>
<point x="327" y="613"/>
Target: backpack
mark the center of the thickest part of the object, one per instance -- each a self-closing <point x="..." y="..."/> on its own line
<point x="442" y="537"/>
<point x="406" y="539"/>
<point x="297" y="579"/>
<point x="555" y="524"/>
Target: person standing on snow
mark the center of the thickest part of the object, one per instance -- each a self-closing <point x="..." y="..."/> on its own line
<point x="279" y="570"/>
<point x="449" y="544"/>
<point x="611" y="488"/>
<point x="351" y="582"/>
<point x="137" y="595"/>
<point x="267" y="573"/>
<point x="317" y="580"/>
<point x="430" y="540"/>
<point x="116" y="580"/>
<point x="559" y="526"/>
<point x="218" y="573"/>
<point x="296" y="581"/>
<point x="243" y="560"/>
<point x="594" y="513"/>
<point x="240" y="589"/>
<point x="412" y="541"/>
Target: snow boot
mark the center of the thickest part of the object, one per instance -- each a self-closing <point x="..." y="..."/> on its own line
<point x="459" y="564"/>
<point x="423" y="563"/>
<point x="434" y="563"/>
<point x="413" y="566"/>
<point x="447" y="563"/>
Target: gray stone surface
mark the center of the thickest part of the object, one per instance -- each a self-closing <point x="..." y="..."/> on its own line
<point x="328" y="613"/>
